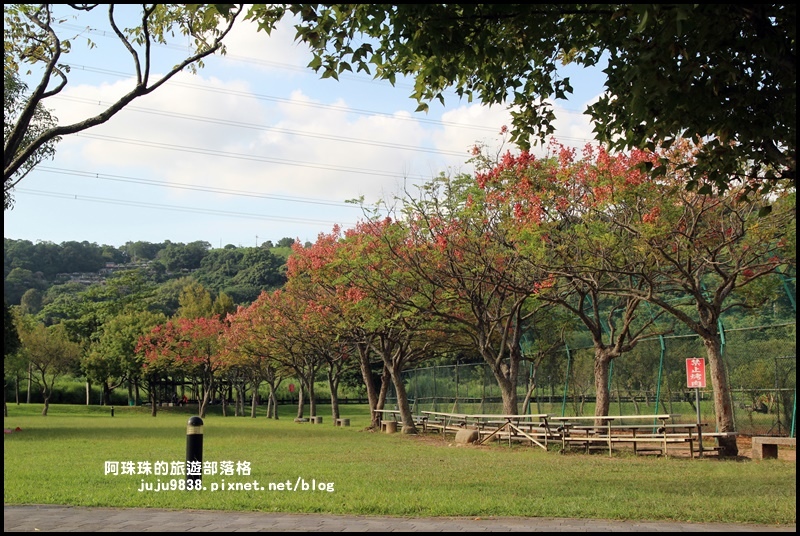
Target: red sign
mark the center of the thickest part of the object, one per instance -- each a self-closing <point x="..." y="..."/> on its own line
<point x="291" y="388"/>
<point x="696" y="372"/>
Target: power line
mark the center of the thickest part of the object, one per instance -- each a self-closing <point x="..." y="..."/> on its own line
<point x="253" y="126"/>
<point x="177" y="208"/>
<point x="183" y="186"/>
<point x="258" y="96"/>
<point x="272" y="64"/>
<point x="241" y="156"/>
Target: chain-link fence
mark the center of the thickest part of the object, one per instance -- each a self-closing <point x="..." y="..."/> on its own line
<point x="760" y="361"/>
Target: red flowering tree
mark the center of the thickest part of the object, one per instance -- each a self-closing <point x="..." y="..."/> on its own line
<point x="247" y="352"/>
<point x="716" y="251"/>
<point x="379" y="290"/>
<point x="328" y="329"/>
<point x="599" y="224"/>
<point x="282" y="328"/>
<point x="561" y="208"/>
<point x="446" y="259"/>
<point x="189" y="346"/>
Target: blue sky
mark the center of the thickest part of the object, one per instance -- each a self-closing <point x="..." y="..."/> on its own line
<point x="253" y="147"/>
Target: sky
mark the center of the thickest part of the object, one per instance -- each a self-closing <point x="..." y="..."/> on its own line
<point x="253" y="147"/>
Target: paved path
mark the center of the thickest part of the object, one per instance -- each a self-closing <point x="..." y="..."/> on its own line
<point x="48" y="518"/>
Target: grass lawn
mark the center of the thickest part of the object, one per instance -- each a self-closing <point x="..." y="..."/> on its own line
<point x="65" y="458"/>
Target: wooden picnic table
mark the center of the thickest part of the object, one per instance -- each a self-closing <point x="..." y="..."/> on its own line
<point x="490" y="425"/>
<point x="519" y="425"/>
<point x="380" y="413"/>
<point x="439" y="420"/>
<point x="572" y="431"/>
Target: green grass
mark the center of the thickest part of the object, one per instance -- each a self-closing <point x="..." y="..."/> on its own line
<point x="60" y="459"/>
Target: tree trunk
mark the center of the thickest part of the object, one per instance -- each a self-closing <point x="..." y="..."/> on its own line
<point x="508" y="390"/>
<point x="366" y="376"/>
<point x="529" y="393"/>
<point x="208" y="390"/>
<point x="273" y="402"/>
<point x="722" y="401"/>
<point x="632" y="394"/>
<point x="202" y="406"/>
<point x="312" y="398"/>
<point x="272" y="399"/>
<point x="301" y="400"/>
<point x="402" y="402"/>
<point x="88" y="393"/>
<point x="254" y="399"/>
<point x="602" y="362"/>
<point x="386" y="382"/>
<point x="153" y="399"/>
<point x="333" y="384"/>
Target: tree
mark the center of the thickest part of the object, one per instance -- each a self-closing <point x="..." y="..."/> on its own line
<point x="455" y="264"/>
<point x="177" y="256"/>
<point x="11" y="341"/>
<point x="721" y="74"/>
<point x="367" y="283"/>
<point x="329" y="269"/>
<point x="31" y="301"/>
<point x="561" y="208"/>
<point x="325" y="325"/>
<point x="285" y="242"/>
<point x="33" y="44"/>
<point x="247" y="344"/>
<point x="187" y="347"/>
<point x="112" y="360"/>
<point x="195" y="301"/>
<point x="223" y="306"/>
<point x="713" y="252"/>
<point x="284" y="313"/>
<point x="50" y="352"/>
<point x="14" y="99"/>
<point x="11" y="345"/>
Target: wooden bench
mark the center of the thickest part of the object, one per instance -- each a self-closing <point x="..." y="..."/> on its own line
<point x="767" y="447"/>
<point x="602" y="433"/>
<point x="443" y="422"/>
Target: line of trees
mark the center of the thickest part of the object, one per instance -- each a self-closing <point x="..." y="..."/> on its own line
<point x="34" y="275"/>
<point x="472" y="266"/>
<point x="530" y="248"/>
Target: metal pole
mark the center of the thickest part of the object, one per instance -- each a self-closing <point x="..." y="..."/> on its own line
<point x="660" y="375"/>
<point x="697" y="403"/>
<point x="566" y="382"/>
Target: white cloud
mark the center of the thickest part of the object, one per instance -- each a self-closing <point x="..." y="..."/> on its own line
<point x="276" y="130"/>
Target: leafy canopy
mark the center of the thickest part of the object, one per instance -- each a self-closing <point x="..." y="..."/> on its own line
<point x="720" y="75"/>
